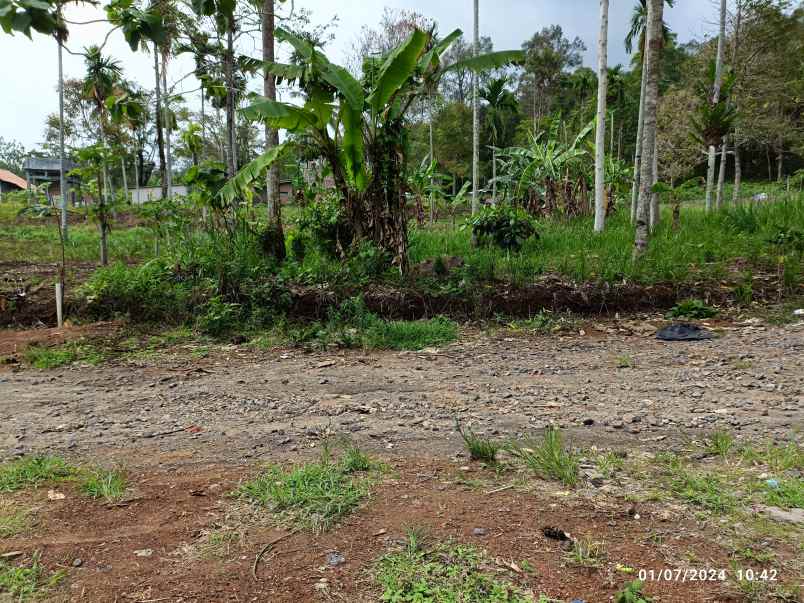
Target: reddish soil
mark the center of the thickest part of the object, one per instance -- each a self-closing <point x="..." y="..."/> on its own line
<point x="169" y="511"/>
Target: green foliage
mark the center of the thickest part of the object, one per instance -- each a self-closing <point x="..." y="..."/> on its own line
<point x="506" y="227"/>
<point x="42" y="16"/>
<point x="692" y="308"/>
<point x="445" y="572"/>
<point x="720" y="443"/>
<point x="314" y="495"/>
<point x="23" y="583"/>
<point x="105" y="484"/>
<point x="480" y="448"/>
<point x="787" y="493"/>
<point x="325" y="225"/>
<point x="220" y="317"/>
<point x="33" y="471"/>
<point x="13" y="519"/>
<point x="707" y="491"/>
<point x="609" y="463"/>
<point x="632" y="593"/>
<point x="53" y="357"/>
<point x="548" y="458"/>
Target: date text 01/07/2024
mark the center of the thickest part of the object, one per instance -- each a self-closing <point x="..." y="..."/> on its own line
<point x="706" y="575"/>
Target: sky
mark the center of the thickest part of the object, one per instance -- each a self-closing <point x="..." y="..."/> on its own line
<point x="29" y="68"/>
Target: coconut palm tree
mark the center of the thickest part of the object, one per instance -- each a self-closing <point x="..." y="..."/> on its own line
<point x="652" y="51"/>
<point x="475" y="114"/>
<point x="637" y="32"/>
<point x="721" y="45"/>
<point x="500" y="102"/>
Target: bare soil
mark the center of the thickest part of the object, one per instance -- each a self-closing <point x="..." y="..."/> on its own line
<point x="188" y="430"/>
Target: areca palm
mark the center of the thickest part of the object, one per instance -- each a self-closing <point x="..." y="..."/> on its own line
<point x="500" y="102"/>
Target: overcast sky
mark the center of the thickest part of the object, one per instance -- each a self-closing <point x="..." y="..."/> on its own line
<point x="28" y="69"/>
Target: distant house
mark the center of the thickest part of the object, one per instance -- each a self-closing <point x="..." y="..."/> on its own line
<point x="9" y="182"/>
<point x="39" y="170"/>
<point x="143" y="194"/>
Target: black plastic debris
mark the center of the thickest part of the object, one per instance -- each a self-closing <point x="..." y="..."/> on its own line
<point x="684" y="332"/>
<point x="555" y="533"/>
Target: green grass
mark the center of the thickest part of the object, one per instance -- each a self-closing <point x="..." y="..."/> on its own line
<point x="34" y="471"/>
<point x="22" y="583"/>
<point x="692" y="308"/>
<point x="632" y="593"/>
<point x="609" y="463"/>
<point x="777" y="457"/>
<point x="314" y="495"/>
<point x="444" y="572"/>
<point x="410" y="334"/>
<point x="586" y="552"/>
<point x="479" y="448"/>
<point x="707" y="491"/>
<point x="789" y="493"/>
<point x="109" y="485"/>
<point x="13" y="519"/>
<point x="53" y="357"/>
<point x="720" y="443"/>
<point x="548" y="457"/>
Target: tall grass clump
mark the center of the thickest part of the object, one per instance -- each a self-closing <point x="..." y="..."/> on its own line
<point x="548" y="457"/>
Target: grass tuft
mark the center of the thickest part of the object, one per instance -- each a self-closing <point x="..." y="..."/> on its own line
<point x="720" y="443"/>
<point x="313" y="495"/>
<point x="33" y="471"/>
<point x="586" y="553"/>
<point x="444" y="572"/>
<point x="53" y="357"/>
<point x="692" y="308"/>
<point x="22" y="583"/>
<point x="786" y="493"/>
<point x="479" y="448"/>
<point x="105" y="484"/>
<point x="548" y="458"/>
<point x="13" y="520"/>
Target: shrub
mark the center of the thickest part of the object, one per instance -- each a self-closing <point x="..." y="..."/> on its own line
<point x="506" y="227"/>
<point x="220" y="317"/>
<point x="691" y="308"/>
<point x="324" y="222"/>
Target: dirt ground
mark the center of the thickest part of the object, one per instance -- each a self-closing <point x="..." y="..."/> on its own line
<point x="188" y="430"/>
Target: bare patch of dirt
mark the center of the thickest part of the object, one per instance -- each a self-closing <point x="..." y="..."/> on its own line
<point x="133" y="551"/>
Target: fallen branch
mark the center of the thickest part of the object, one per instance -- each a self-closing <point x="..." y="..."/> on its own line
<point x="267" y="548"/>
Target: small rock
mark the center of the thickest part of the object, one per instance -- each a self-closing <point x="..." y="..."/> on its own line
<point x="479" y="531"/>
<point x="795" y="516"/>
<point x="588" y="421"/>
<point x="144" y="552"/>
<point x="335" y="559"/>
<point x="78" y="562"/>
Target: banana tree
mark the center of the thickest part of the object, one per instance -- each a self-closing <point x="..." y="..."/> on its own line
<point x="426" y="182"/>
<point x="360" y="126"/>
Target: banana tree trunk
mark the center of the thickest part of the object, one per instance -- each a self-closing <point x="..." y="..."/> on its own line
<point x="653" y="49"/>
<point x="600" y="134"/>
<point x="432" y="157"/>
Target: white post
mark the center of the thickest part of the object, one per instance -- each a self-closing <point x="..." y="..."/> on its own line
<point x="59" y="305"/>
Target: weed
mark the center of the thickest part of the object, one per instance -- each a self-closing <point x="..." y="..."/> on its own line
<point x="105" y="484"/>
<point x="692" y="308"/>
<point x="480" y="448"/>
<point x="33" y="471"/>
<point x="586" y="553"/>
<point x="632" y="593"/>
<point x="548" y="458"/>
<point x="355" y="460"/>
<point x="720" y="443"/>
<point x="609" y="463"/>
<point x="24" y="582"/>
<point x="706" y="491"/>
<point x="444" y="572"/>
<point x="53" y="357"/>
<point x="624" y="361"/>
<point x="218" y="544"/>
<point x="778" y="458"/>
<point x="314" y="495"/>
<point x="13" y="520"/>
<point x="786" y="493"/>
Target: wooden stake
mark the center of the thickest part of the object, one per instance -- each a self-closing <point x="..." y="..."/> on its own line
<point x="59" y="305"/>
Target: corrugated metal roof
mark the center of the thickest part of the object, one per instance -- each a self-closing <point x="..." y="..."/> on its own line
<point x="12" y="178"/>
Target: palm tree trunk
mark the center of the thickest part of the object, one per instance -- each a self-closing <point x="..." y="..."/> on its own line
<point x="168" y="156"/>
<point x="160" y="140"/>
<point x="653" y="49"/>
<point x="494" y="174"/>
<point x="272" y="190"/>
<point x="710" y="170"/>
<point x="231" y="143"/>
<point x="125" y="180"/>
<point x="62" y="174"/>
<point x="779" y="160"/>
<point x="611" y="135"/>
<point x="721" y="178"/>
<point x="137" y="179"/>
<point x="432" y="157"/>
<point x="600" y="134"/>
<point x="640" y="128"/>
<point x="475" y="115"/>
<point x="655" y="210"/>
<point x="738" y="174"/>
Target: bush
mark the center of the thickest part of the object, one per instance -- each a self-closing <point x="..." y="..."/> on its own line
<point x="506" y="227"/>
<point x="220" y="317"/>
<point x="151" y="292"/>
<point x="324" y="223"/>
<point x="692" y="308"/>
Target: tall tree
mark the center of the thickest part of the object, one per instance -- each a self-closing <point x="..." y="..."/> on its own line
<point x="721" y="45"/>
<point x="273" y="198"/>
<point x="499" y="103"/>
<point x="653" y="51"/>
<point x="600" y="134"/>
<point x="475" y="115"/>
